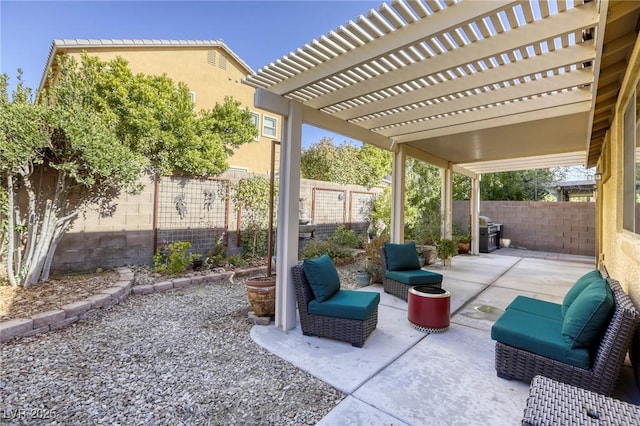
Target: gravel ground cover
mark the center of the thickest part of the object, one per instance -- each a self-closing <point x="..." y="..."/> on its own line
<point x="180" y="357"/>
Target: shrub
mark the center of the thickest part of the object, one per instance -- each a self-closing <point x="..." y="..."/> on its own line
<point x="172" y="258"/>
<point x="215" y="257"/>
<point x="235" y="260"/>
<point x="346" y="238"/>
<point x="315" y="248"/>
<point x="372" y="248"/>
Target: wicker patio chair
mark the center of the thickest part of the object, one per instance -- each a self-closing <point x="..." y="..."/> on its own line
<point x="394" y="287"/>
<point x="553" y="403"/>
<point x="344" y="329"/>
<point x="608" y="357"/>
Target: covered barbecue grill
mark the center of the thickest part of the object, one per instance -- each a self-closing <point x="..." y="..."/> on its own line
<point x="490" y="233"/>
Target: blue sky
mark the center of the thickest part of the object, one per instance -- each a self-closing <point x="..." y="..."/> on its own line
<point x="259" y="32"/>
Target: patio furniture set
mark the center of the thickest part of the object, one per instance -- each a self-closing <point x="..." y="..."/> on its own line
<point x="571" y="353"/>
<point x="575" y="349"/>
<point x="327" y="311"/>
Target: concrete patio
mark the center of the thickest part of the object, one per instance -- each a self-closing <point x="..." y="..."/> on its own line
<point x="406" y="377"/>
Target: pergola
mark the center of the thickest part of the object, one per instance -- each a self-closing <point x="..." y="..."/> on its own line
<point x="469" y="86"/>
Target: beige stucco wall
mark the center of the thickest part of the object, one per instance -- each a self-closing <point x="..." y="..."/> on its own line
<point x="620" y="249"/>
<point x="210" y="83"/>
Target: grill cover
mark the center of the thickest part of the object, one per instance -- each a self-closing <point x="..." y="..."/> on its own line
<point x="485" y="221"/>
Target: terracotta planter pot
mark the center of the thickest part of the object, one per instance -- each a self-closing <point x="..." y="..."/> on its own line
<point x="463" y="248"/>
<point x="261" y="292"/>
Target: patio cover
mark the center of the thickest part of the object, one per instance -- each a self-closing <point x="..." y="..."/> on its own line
<point x="469" y="86"/>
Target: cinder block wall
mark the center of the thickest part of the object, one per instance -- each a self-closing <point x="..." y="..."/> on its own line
<point x="126" y="237"/>
<point x="562" y="227"/>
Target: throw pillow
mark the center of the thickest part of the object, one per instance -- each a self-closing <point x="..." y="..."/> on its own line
<point x="577" y="288"/>
<point x="588" y="315"/>
<point x="322" y="276"/>
<point x="401" y="257"/>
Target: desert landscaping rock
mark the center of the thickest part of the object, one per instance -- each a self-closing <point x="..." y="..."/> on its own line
<point x="182" y="356"/>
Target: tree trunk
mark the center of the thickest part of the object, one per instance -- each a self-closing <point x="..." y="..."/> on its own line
<point x="11" y="246"/>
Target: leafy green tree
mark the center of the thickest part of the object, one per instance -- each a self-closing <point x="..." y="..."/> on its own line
<point x="525" y="185"/>
<point x="87" y="139"/>
<point x="345" y="163"/>
<point x="251" y="198"/>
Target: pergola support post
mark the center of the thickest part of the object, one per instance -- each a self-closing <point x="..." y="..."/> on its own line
<point x="446" y="202"/>
<point x="398" y="173"/>
<point x="474" y="213"/>
<point x="287" y="235"/>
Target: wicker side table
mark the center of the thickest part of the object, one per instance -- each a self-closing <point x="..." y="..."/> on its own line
<point x="554" y="403"/>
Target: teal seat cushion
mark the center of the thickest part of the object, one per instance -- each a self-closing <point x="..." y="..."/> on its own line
<point x="539" y="335"/>
<point x="322" y="276"/>
<point x="577" y="288"/>
<point x="349" y="304"/>
<point x="414" y="277"/>
<point x="401" y="257"/>
<point x="588" y="315"/>
<point x="538" y="307"/>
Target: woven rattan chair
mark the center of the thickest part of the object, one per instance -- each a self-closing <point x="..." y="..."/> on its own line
<point x="344" y="329"/>
<point x="553" y="403"/>
<point x="394" y="287"/>
<point x="602" y="377"/>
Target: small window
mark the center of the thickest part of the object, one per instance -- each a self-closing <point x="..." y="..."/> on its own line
<point x="223" y="62"/>
<point x="269" y="125"/>
<point x="192" y="96"/>
<point x="256" y="122"/>
<point x="211" y="57"/>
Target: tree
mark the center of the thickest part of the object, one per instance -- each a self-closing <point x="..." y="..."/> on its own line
<point x="346" y="163"/>
<point x="87" y="139"/>
<point x="522" y="185"/>
<point x="251" y="198"/>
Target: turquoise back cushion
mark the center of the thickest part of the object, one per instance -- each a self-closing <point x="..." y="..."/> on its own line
<point x="577" y="288"/>
<point x="322" y="276"/>
<point x="588" y="315"/>
<point x="401" y="257"/>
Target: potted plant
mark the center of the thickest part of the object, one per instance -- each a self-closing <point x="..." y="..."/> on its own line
<point x="464" y="243"/>
<point x="374" y="261"/>
<point x="446" y="249"/>
<point x="253" y="197"/>
<point x="363" y="278"/>
<point x="196" y="261"/>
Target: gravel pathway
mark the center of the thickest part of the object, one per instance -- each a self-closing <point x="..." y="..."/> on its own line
<point x="180" y="357"/>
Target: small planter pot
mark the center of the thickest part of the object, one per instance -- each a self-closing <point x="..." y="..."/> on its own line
<point x="464" y="248"/>
<point x="261" y="292"/>
<point x="363" y="279"/>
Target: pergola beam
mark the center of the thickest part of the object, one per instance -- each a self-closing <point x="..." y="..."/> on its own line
<point x="575" y="54"/>
<point x="572" y="20"/>
<point x="403" y="37"/>
<point x="325" y="121"/>
<point x="536" y="87"/>
<point x="516" y="112"/>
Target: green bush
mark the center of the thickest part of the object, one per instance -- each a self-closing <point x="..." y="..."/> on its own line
<point x="314" y="248"/>
<point x="172" y="258"/>
<point x="235" y="260"/>
<point x="346" y="238"/>
<point x="215" y="257"/>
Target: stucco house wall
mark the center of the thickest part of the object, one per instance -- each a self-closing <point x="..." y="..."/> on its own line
<point x="620" y="248"/>
<point x="211" y="72"/>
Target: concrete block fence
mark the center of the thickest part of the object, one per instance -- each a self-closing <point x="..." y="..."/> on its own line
<point x="91" y="306"/>
<point x="560" y="227"/>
